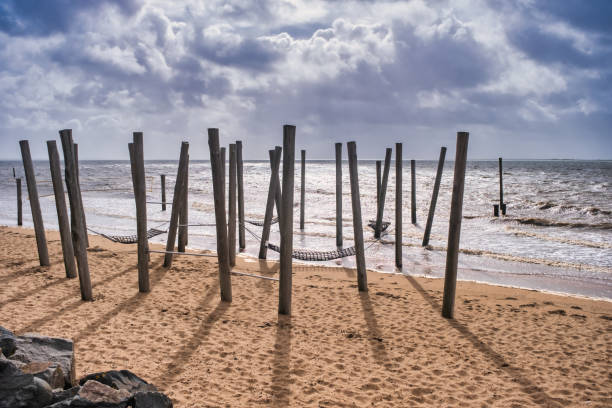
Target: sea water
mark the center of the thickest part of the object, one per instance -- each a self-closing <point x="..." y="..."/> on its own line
<point x="556" y="235"/>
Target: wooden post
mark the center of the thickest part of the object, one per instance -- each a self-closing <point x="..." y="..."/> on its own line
<point x="231" y="225"/>
<point x="177" y="202"/>
<point x="383" y="192"/>
<point x="78" y="179"/>
<point x="19" y="203"/>
<point x="163" y="191"/>
<point x="62" y="212"/>
<point x="398" y="205"/>
<point x="216" y="167"/>
<point x="303" y="189"/>
<point x="413" y="191"/>
<point x="39" y="227"/>
<point x="503" y="209"/>
<point x="338" y="194"/>
<point x="240" y="180"/>
<point x="362" y="277"/>
<point x="378" y="181"/>
<point x="501" y="184"/>
<point x="496" y="210"/>
<point x="286" y="225"/>
<point x="78" y="240"/>
<point x="454" y="226"/>
<point x="14" y="175"/>
<point x="222" y="152"/>
<point x="434" y="197"/>
<point x="275" y="156"/>
<point x="140" y="195"/>
<point x="183" y="229"/>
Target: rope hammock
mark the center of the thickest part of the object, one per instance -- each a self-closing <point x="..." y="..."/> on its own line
<point x="129" y="239"/>
<point x="260" y="223"/>
<point x="308" y="255"/>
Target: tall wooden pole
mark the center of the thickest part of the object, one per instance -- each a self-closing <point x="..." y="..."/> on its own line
<point x="378" y="181"/>
<point x="140" y="195"/>
<point x="216" y="167"/>
<point x="501" y="186"/>
<point x="231" y="225"/>
<point x="78" y="179"/>
<point x="286" y="224"/>
<point x="163" y="191"/>
<point x="222" y="152"/>
<point x="275" y="156"/>
<point x="78" y="232"/>
<point x="183" y="229"/>
<point x="303" y="189"/>
<point x="338" y="147"/>
<point x="434" y="197"/>
<point x="398" y="205"/>
<point x="19" y="203"/>
<point x="413" y="191"/>
<point x="240" y="180"/>
<point x="177" y="202"/>
<point x="454" y="226"/>
<point x="62" y="212"/>
<point x="39" y="227"/>
<point x="383" y="192"/>
<point x="362" y="277"/>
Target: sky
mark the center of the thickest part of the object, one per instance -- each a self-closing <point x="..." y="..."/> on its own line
<point x="527" y="79"/>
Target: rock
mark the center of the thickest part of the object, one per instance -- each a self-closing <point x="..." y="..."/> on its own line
<point x="19" y="390"/>
<point x="95" y="394"/>
<point x="36" y="348"/>
<point x="61" y="395"/>
<point x="50" y="372"/>
<point x="120" y="380"/>
<point x="151" y="400"/>
<point x="8" y="343"/>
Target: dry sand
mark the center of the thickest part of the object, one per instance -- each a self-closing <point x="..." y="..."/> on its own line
<point x="388" y="347"/>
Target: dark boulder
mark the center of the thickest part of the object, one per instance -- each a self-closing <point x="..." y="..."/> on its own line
<point x="96" y="395"/>
<point x="36" y="348"/>
<point x="120" y="380"/>
<point x="8" y="344"/>
<point x="19" y="390"/>
<point x="151" y="400"/>
<point x="61" y="395"/>
<point x="50" y="372"/>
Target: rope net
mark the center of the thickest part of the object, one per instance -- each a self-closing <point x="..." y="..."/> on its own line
<point x="129" y="239"/>
<point x="308" y="255"/>
<point x="260" y="223"/>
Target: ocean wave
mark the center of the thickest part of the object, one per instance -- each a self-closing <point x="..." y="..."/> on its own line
<point x="543" y="222"/>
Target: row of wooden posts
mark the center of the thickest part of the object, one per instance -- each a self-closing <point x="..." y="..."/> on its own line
<point x="74" y="235"/>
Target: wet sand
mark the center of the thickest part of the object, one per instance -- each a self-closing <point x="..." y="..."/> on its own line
<point x="388" y="347"/>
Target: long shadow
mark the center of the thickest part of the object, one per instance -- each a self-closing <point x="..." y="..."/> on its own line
<point x="534" y="392"/>
<point x="29" y="271"/>
<point x="281" y="373"/>
<point x="374" y="336"/>
<point x="34" y="291"/>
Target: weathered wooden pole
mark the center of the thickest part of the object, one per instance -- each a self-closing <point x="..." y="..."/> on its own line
<point x="240" y="180"/>
<point x="413" y="191"/>
<point x="398" y="205"/>
<point x="183" y="229"/>
<point x="78" y="232"/>
<point x="496" y="210"/>
<point x="14" y="175"/>
<point x="383" y="192"/>
<point x="222" y="152"/>
<point x="303" y="189"/>
<point x="39" y="227"/>
<point x="434" y="197"/>
<point x="140" y="195"/>
<point x="231" y="224"/>
<point x="274" y="186"/>
<point x="338" y="194"/>
<point x="454" y="226"/>
<point x="286" y="224"/>
<point x="177" y="202"/>
<point x="501" y="184"/>
<point x="163" y="191"/>
<point x="362" y="277"/>
<point x="19" y="203"/>
<point x="78" y="179"/>
<point x="216" y="167"/>
<point x="378" y="181"/>
<point x="62" y="212"/>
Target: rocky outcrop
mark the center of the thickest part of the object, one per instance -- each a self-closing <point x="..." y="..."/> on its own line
<point x="120" y="380"/>
<point x="8" y="344"/>
<point x="36" y="348"/>
<point x="20" y="390"/>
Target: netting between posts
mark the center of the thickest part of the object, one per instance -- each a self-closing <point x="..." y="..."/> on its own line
<point x="260" y="223"/>
<point x="129" y="239"/>
<point x="308" y="255"/>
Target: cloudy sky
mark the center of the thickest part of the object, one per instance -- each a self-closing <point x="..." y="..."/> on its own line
<point x="527" y="79"/>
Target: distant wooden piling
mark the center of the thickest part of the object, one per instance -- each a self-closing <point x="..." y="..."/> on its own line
<point x="140" y="195"/>
<point x="274" y="186"/>
<point x="362" y="278"/>
<point x="501" y="184"/>
<point x="39" y="227"/>
<point x="286" y="225"/>
<point x="163" y="191"/>
<point x="378" y="181"/>
<point x="231" y="224"/>
<point x="398" y="205"/>
<point x="240" y="180"/>
<point x="434" y="197"/>
<point x="383" y="192"/>
<point x="216" y="166"/>
<point x="62" y="212"/>
<point x="454" y="227"/>
<point x="14" y="174"/>
<point x="183" y="229"/>
<point x="78" y="232"/>
<point x="19" y="202"/>
<point x="303" y="189"/>
<point x="177" y="202"/>
<point x="338" y="147"/>
<point x="413" y="191"/>
<point x="78" y="179"/>
<point x="496" y="210"/>
<point x="503" y="209"/>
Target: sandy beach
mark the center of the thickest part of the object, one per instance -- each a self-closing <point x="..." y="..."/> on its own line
<point x="388" y="347"/>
